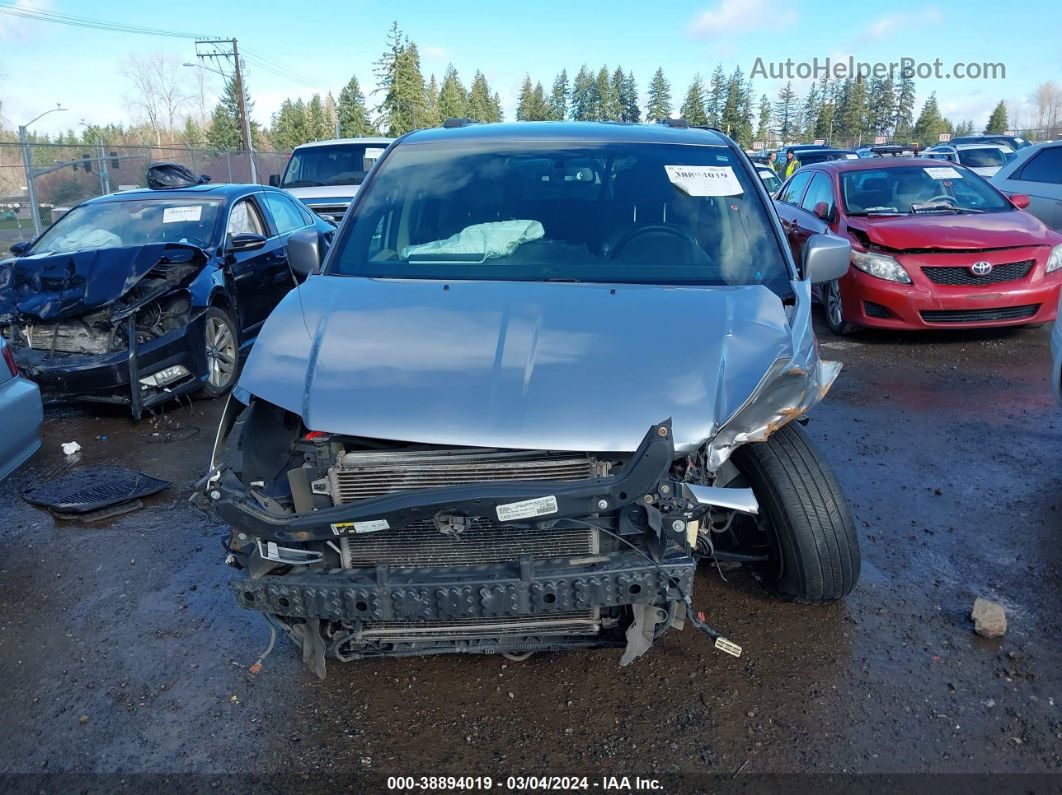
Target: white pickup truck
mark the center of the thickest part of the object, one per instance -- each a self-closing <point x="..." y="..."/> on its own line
<point x="326" y="175"/>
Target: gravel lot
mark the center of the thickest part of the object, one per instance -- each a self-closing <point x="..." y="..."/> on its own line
<point x="121" y="649"/>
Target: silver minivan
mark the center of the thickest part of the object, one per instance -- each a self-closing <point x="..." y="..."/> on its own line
<point x="542" y="372"/>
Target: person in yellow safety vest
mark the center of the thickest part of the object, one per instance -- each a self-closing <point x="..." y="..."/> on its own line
<point x="790" y="165"/>
<point x="772" y="161"/>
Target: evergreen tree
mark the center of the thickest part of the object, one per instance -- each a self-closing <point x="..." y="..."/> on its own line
<point x="558" y="97"/>
<point x="881" y="105"/>
<point x="785" y="114"/>
<point x="930" y="123"/>
<point x="659" y="106"/>
<point x="480" y="104"/>
<point x="496" y="113"/>
<point x="716" y="97"/>
<point x="331" y="116"/>
<point x="810" y="114"/>
<point x="316" y="123"/>
<point x="618" y="109"/>
<point x="997" y="122"/>
<point x="225" y="129"/>
<point x="763" y="126"/>
<point x="539" y="104"/>
<point x="581" y="107"/>
<point x="353" y="116"/>
<point x="526" y="99"/>
<point x="192" y="134"/>
<point x="693" y="106"/>
<point x="453" y="98"/>
<point x="432" y="115"/>
<point x="744" y="129"/>
<point x="730" y="117"/>
<point x="853" y="117"/>
<point x="399" y="80"/>
<point x="905" y="101"/>
<point x="289" y="125"/>
<point x="629" y="99"/>
<point x="404" y="103"/>
<point x="965" y="128"/>
<point x="608" y="104"/>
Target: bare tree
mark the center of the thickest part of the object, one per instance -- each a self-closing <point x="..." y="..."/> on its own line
<point x="1048" y="100"/>
<point x="158" y="89"/>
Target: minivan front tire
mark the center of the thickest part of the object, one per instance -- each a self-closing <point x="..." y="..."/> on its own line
<point x="804" y="522"/>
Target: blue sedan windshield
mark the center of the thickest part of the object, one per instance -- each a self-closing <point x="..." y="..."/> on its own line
<point x="594" y="212"/>
<point x="131" y="222"/>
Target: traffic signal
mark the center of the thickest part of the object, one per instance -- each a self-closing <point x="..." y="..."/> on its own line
<point x="115" y="162"/>
<point x="86" y="163"/>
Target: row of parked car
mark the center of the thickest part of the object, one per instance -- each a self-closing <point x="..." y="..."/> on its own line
<point x="485" y="420"/>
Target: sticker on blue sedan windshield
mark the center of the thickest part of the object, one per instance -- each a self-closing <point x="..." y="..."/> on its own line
<point x="188" y="212"/>
<point x="704" y="180"/>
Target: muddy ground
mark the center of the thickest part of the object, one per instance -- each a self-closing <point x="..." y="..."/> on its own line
<point x="121" y="649"/>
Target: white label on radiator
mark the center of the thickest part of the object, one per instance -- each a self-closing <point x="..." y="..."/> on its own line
<point x="371" y="526"/>
<point x="527" y="509"/>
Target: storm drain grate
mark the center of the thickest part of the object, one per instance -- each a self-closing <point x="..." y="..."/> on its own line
<point x="89" y="490"/>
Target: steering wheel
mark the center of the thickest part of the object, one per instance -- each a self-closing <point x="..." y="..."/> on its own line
<point x="631" y="235"/>
<point x="942" y="197"/>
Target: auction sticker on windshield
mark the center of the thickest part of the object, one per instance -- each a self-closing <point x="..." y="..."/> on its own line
<point x="525" y="509"/>
<point x="947" y="172"/>
<point x="173" y="215"/>
<point x="704" y="180"/>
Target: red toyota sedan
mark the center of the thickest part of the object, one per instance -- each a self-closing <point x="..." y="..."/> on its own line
<point x="933" y="245"/>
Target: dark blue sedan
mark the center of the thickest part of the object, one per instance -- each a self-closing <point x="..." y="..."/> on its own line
<point x="138" y="297"/>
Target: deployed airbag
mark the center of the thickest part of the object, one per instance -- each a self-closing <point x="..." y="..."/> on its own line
<point x="480" y="241"/>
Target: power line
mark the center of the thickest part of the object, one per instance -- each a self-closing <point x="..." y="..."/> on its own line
<point x="260" y="60"/>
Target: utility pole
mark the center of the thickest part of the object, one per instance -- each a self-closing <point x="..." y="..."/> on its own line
<point x="245" y="121"/>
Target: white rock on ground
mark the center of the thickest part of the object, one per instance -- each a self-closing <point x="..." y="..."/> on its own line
<point x="990" y="621"/>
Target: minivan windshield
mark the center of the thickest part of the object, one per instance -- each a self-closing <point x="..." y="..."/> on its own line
<point x="936" y="187"/>
<point x="332" y="164"/>
<point x="557" y="211"/>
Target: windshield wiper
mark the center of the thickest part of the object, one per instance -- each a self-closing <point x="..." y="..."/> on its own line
<point x="302" y="183"/>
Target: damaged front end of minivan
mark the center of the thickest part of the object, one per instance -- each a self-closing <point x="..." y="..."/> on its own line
<point x="108" y="326"/>
<point x="362" y="547"/>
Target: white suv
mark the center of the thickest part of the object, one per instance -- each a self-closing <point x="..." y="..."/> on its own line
<point x="325" y="175"/>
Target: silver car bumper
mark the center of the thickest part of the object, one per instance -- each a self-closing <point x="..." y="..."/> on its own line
<point x="21" y="414"/>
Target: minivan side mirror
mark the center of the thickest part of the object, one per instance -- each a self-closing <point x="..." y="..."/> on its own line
<point x="826" y="258"/>
<point x="304" y="252"/>
<point x="1019" y="200"/>
<point x="22" y="246"/>
<point x="274" y="180"/>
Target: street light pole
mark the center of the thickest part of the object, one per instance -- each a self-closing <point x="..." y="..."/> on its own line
<point x="27" y="165"/>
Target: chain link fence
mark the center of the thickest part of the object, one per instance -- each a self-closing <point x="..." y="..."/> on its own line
<point x="64" y="175"/>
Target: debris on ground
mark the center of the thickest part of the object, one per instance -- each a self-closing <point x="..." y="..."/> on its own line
<point x="990" y="620"/>
<point x="95" y="493"/>
<point x="69" y="448"/>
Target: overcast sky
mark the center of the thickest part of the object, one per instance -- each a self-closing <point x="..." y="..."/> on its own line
<point x="43" y="63"/>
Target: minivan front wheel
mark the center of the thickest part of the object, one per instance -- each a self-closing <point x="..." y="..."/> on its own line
<point x="831" y="299"/>
<point x="804" y="530"/>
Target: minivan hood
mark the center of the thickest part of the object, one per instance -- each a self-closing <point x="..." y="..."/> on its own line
<point x="324" y="192"/>
<point x="533" y="365"/>
<point x="955" y="231"/>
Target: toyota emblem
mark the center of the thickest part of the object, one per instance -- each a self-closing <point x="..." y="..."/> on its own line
<point x="981" y="268"/>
